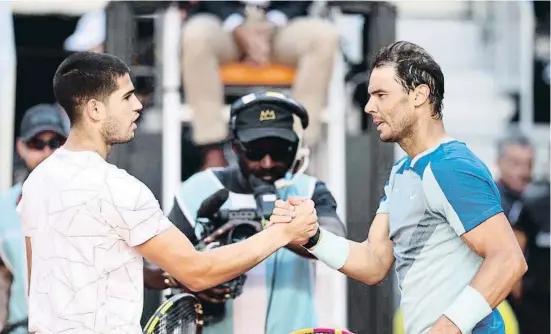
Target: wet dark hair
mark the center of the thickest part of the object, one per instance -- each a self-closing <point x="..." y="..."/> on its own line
<point x="414" y="66"/>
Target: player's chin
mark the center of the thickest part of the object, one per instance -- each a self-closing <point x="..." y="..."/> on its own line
<point x="386" y="136"/>
<point x="123" y="139"/>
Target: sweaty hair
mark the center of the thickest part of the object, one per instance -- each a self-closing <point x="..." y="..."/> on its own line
<point x="84" y="76"/>
<point x="414" y="66"/>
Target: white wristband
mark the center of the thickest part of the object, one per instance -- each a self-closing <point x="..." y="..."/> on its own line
<point x="468" y="309"/>
<point x="331" y="249"/>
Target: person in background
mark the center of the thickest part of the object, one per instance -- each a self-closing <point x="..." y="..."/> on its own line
<point x="266" y="146"/>
<point x="526" y="204"/>
<point x="535" y="302"/>
<point x="515" y="161"/>
<point x="258" y="33"/>
<point x="44" y="129"/>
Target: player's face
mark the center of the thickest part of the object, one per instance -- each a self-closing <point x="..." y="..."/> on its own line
<point x="267" y="158"/>
<point x="39" y="148"/>
<point x="389" y="105"/>
<point x="516" y="167"/>
<point x="122" y="111"/>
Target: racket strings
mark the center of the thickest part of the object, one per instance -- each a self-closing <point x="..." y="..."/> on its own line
<point x="181" y="318"/>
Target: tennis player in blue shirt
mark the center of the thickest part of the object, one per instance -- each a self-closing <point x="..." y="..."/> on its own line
<point x="440" y="219"/>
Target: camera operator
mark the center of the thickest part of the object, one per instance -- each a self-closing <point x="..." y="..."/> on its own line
<point x="277" y="295"/>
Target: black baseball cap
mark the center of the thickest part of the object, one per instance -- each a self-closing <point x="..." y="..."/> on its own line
<point x="263" y="120"/>
<point x="43" y="117"/>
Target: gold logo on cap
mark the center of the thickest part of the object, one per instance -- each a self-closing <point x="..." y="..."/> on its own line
<point x="267" y="115"/>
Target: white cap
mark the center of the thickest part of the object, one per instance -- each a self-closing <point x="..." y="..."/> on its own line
<point x="89" y="33"/>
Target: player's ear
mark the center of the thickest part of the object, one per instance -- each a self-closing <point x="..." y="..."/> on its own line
<point x="421" y="95"/>
<point x="95" y="109"/>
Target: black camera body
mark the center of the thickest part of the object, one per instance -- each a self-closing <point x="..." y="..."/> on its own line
<point x="220" y="227"/>
<point x="228" y="226"/>
<point x="224" y="228"/>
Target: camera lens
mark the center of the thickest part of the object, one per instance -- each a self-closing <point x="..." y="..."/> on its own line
<point x="241" y="232"/>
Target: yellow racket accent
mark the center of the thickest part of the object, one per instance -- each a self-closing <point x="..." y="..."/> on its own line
<point x="303" y="331"/>
<point x="165" y="307"/>
<point x="511" y="322"/>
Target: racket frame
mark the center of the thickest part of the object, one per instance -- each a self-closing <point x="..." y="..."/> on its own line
<point x="167" y="305"/>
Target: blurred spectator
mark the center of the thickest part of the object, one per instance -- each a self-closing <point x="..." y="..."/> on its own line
<point x="527" y="207"/>
<point x="534" y="315"/>
<point x="515" y="161"/>
<point x="257" y="32"/>
<point x="44" y="128"/>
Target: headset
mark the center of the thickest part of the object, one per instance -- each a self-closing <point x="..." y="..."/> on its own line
<point x="301" y="152"/>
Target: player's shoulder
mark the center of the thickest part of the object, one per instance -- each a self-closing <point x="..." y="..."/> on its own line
<point x="116" y="174"/>
<point x="124" y="190"/>
<point x="39" y="175"/>
<point x="119" y="181"/>
<point x="454" y="169"/>
<point x="455" y="158"/>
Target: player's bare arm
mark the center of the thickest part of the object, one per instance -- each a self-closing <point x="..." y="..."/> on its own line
<point x="504" y="263"/>
<point x="470" y="202"/>
<point x="368" y="262"/>
<point x="29" y="252"/>
<point x="172" y="251"/>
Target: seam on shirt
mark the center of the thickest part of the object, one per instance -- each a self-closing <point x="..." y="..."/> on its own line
<point x="487" y="214"/>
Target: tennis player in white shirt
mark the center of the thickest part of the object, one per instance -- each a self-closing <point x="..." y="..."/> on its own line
<point x="88" y="223"/>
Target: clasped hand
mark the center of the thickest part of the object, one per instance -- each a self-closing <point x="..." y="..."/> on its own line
<point x="300" y="218"/>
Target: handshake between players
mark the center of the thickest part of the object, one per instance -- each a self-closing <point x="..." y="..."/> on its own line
<point x="296" y="211"/>
<point x="199" y="271"/>
<point x="299" y="220"/>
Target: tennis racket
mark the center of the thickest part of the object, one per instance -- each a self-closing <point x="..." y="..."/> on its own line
<point x="180" y="314"/>
<point x="321" y="331"/>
